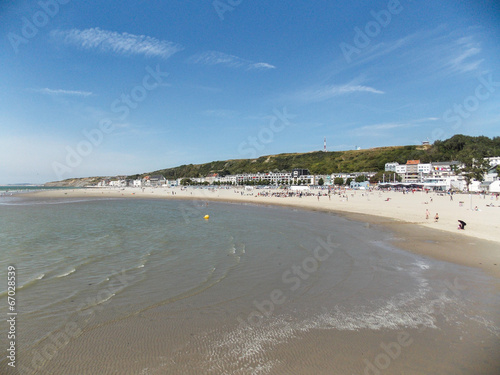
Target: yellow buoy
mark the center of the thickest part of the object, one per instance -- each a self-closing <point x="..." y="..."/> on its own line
<point x="206" y="217"/>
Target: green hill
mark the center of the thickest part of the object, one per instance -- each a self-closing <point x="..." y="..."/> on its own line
<point x="342" y="161"/>
<point x="373" y="160"/>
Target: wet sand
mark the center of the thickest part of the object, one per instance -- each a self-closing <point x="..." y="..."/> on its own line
<point x="440" y="332"/>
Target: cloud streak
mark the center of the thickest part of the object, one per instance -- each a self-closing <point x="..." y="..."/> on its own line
<point x="220" y="113"/>
<point x="322" y="93"/>
<point x="383" y="128"/>
<point x="464" y="57"/>
<point x="230" y="61"/>
<point x="386" y="126"/>
<point x="47" y="91"/>
<point x="117" y="43"/>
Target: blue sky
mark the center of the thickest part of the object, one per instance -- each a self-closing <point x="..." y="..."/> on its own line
<point x="100" y="88"/>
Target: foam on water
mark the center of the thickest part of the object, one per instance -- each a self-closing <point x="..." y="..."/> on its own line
<point x="67" y="273"/>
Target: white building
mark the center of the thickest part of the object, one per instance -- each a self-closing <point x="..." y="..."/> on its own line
<point x="273" y="178"/>
<point x="495" y="187"/>
<point x="424" y="168"/>
<point x="391" y="167"/>
<point x="401" y="169"/>
<point x="118" y="183"/>
<point x="494" y="161"/>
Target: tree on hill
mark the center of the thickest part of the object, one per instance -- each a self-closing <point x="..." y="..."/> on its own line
<point x="338" y="181"/>
<point x="473" y="167"/>
<point x="361" y="178"/>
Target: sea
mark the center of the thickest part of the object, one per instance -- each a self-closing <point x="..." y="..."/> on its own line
<point x="9" y="190"/>
<point x="145" y="286"/>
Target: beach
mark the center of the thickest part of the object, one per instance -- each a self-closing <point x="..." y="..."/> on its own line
<point x="132" y="281"/>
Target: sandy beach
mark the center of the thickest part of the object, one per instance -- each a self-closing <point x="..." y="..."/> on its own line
<point x="403" y="213"/>
<point x="153" y="288"/>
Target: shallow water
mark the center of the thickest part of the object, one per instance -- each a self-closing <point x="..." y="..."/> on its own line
<point x="241" y="292"/>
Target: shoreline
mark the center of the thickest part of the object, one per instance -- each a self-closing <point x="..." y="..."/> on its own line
<point x="478" y="248"/>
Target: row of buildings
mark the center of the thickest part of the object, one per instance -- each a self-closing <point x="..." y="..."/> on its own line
<point x="441" y="175"/>
<point x="296" y="177"/>
<point x="438" y="176"/>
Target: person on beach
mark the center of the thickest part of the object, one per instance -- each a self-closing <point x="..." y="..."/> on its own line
<point x="461" y="224"/>
<point x="436" y="218"/>
<point x="427" y="214"/>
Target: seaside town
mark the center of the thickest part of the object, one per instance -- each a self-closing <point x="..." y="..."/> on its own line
<point x="233" y="187"/>
<point x="438" y="176"/>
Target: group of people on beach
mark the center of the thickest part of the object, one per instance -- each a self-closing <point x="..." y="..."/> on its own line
<point x="461" y="223"/>
<point x="428" y="214"/>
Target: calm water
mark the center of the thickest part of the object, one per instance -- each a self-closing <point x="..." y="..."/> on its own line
<point x="92" y="262"/>
<point x="9" y="190"/>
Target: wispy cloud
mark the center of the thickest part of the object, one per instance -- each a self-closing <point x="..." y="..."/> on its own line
<point x="261" y="66"/>
<point x="463" y="56"/>
<point x="426" y="119"/>
<point x="210" y="89"/>
<point x="118" y="43"/>
<point x="48" y="91"/>
<point x="322" y="93"/>
<point x="231" y="61"/>
<point x="444" y="53"/>
<point x="383" y="128"/>
<point x="429" y="54"/>
<point x="220" y="113"/>
<point x="381" y="49"/>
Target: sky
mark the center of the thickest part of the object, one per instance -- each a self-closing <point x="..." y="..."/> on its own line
<point x="104" y="88"/>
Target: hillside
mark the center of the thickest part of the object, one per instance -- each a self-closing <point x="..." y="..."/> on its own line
<point x="319" y="162"/>
<point x="75" y="182"/>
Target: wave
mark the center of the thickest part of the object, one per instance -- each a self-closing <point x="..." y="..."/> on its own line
<point x="26" y="284"/>
<point x="23" y="202"/>
<point x="67" y="273"/>
<point x="246" y="345"/>
<point x="90" y="303"/>
<point x="31" y="281"/>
